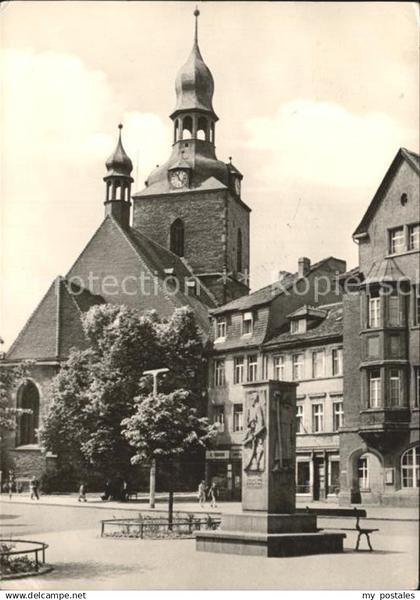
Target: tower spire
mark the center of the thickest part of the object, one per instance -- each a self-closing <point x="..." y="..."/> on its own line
<point x="196" y="15"/>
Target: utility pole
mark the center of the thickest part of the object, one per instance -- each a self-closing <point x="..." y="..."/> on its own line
<point x="152" y="485"/>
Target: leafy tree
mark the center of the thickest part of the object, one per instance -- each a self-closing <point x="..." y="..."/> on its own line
<point x="95" y="390"/>
<point x="99" y="388"/>
<point x="164" y="427"/>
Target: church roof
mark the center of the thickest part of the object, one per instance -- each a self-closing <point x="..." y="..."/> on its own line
<point x="55" y="325"/>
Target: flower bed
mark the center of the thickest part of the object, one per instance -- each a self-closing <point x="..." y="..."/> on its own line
<point x="22" y="558"/>
<point x="157" y="527"/>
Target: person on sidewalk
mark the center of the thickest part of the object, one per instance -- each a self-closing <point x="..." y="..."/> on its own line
<point x="82" y="493"/>
<point x="34" y="486"/>
<point x="202" y="493"/>
<point x="213" y="495"/>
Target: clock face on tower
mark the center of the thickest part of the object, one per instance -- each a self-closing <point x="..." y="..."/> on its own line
<point x="178" y="178"/>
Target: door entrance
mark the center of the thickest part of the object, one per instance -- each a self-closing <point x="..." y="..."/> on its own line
<point x="319" y="479"/>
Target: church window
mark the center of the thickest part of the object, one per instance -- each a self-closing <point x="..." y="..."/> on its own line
<point x="28" y="422"/>
<point x="187" y="128"/>
<point x="177" y="237"/>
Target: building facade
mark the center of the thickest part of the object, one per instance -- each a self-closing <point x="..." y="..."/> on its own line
<point x="251" y="337"/>
<point x="379" y="445"/>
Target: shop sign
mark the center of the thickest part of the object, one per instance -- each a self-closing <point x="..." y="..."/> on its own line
<point x="217" y="454"/>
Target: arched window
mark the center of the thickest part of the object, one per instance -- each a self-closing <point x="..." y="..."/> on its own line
<point x="176" y="130"/>
<point x="202" y="128"/>
<point x="239" y="252"/>
<point x="410" y="467"/>
<point x="28" y="398"/>
<point x="187" y="128"/>
<point x="177" y="237"/>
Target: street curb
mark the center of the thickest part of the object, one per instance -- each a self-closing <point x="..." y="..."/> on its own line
<point x="104" y="506"/>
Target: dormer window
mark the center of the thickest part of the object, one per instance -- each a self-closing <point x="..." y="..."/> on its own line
<point x="220" y="329"/>
<point x="298" y="326"/>
<point x="247" y="323"/>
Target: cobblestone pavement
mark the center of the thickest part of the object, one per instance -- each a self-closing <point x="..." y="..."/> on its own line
<point x="83" y="560"/>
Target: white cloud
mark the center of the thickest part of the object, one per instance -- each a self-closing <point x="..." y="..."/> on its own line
<point x="323" y="143"/>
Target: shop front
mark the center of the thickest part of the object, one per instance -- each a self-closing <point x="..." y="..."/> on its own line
<point x="224" y="468"/>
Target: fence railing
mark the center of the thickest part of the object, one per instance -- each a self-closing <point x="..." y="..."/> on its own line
<point x="147" y="526"/>
<point x="8" y="549"/>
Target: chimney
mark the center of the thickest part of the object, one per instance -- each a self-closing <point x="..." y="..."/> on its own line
<point x="304" y="266"/>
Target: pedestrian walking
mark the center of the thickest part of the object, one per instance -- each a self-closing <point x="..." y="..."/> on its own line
<point x="34" y="486"/>
<point x="213" y="495"/>
<point x="107" y="492"/>
<point x="82" y="493"/>
<point x="202" y="493"/>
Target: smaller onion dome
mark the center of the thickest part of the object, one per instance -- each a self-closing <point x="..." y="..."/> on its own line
<point x="119" y="163"/>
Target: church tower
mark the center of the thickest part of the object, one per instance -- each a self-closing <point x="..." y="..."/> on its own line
<point x="192" y="204"/>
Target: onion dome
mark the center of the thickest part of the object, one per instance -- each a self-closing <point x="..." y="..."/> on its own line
<point x="119" y="163"/>
<point x="194" y="85"/>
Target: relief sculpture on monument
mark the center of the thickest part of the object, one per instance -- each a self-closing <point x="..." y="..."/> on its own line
<point x="254" y="440"/>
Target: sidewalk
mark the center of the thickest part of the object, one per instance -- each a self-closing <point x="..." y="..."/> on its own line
<point x="183" y="502"/>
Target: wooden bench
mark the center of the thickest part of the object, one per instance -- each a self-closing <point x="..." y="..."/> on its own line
<point x="345" y="512"/>
<point x="362" y="531"/>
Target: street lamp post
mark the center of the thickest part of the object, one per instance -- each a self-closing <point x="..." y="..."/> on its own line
<point x="152" y="485"/>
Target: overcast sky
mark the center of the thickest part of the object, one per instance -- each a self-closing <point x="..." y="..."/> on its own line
<point x="314" y="101"/>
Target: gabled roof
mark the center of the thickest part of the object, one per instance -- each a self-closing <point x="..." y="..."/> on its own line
<point x="331" y="326"/>
<point x="308" y="311"/>
<point x="55" y="325"/>
<point x="402" y="155"/>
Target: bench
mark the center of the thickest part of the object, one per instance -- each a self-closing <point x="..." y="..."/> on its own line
<point x="356" y="512"/>
<point x="362" y="531"/>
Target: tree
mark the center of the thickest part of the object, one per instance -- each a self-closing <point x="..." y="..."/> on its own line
<point x="97" y="389"/>
<point x="165" y="427"/>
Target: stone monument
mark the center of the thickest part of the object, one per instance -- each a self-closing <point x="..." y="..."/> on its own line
<point x="268" y="524"/>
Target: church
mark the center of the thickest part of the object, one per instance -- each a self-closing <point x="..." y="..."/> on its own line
<point x="183" y="240"/>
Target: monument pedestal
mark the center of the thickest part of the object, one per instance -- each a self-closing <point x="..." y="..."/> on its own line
<point x="265" y="534"/>
<point x="268" y="524"/>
